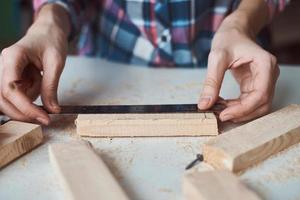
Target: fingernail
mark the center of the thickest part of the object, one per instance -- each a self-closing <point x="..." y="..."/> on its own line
<point x="226" y="117"/>
<point x="43" y="120"/>
<point x="204" y="101"/>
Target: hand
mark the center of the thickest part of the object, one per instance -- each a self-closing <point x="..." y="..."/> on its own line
<point x="31" y="67"/>
<point x="254" y="69"/>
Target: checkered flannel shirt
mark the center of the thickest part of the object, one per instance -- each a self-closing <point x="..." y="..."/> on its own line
<point x="149" y="32"/>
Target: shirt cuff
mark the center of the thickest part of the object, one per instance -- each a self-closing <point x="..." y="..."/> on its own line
<point x="69" y="7"/>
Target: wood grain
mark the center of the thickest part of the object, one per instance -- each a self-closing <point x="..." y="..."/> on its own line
<point x="141" y="125"/>
<point x="82" y="173"/>
<point x="255" y="141"/>
<point x="215" y="185"/>
<point x="17" y="138"/>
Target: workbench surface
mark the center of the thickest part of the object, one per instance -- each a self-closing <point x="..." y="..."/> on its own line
<point x="147" y="168"/>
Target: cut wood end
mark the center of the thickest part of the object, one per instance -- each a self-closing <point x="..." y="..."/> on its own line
<point x="217" y="157"/>
<point x="255" y="141"/>
<point x="18" y="138"/>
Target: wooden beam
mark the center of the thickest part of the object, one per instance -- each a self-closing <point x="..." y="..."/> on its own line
<point x="131" y="125"/>
<point x="255" y="141"/>
<point x="215" y="185"/>
<point x="82" y="173"/>
<point x="17" y="138"/>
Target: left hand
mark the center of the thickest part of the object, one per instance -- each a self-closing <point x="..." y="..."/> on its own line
<point x="255" y="70"/>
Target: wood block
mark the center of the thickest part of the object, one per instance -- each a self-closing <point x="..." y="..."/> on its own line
<point x="255" y="141"/>
<point x="82" y="173"/>
<point x="17" y="138"/>
<point x="131" y="125"/>
<point x="215" y="185"/>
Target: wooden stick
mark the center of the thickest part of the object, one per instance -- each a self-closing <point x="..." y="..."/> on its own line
<point x="82" y="173"/>
<point x="255" y="141"/>
<point x="17" y="138"/>
<point x="131" y="125"/>
<point x="215" y="185"/>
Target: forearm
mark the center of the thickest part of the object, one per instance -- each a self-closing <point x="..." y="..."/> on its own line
<point x="250" y="17"/>
<point x="52" y="16"/>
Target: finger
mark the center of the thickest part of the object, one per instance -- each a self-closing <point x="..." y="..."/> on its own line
<point x="263" y="69"/>
<point x="17" y="98"/>
<point x="243" y="106"/>
<point x="217" y="65"/>
<point x="12" y="111"/>
<point x="14" y="60"/>
<point x="256" y="114"/>
<point x="262" y="92"/>
<point x="53" y="66"/>
<point x="232" y="102"/>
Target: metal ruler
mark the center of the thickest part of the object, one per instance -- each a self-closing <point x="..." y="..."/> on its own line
<point x="122" y="109"/>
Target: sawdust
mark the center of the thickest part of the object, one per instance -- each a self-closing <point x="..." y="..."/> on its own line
<point x="165" y="190"/>
<point x="24" y="162"/>
<point x="283" y="174"/>
<point x="285" y="165"/>
<point x="130" y="161"/>
<point x="188" y="147"/>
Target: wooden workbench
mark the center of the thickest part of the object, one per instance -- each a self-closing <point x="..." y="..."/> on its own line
<point x="148" y="168"/>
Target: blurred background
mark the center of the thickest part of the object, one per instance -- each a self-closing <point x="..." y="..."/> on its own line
<point x="16" y="16"/>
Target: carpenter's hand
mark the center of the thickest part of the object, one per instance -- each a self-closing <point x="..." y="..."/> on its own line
<point x="255" y="70"/>
<point x="31" y="67"/>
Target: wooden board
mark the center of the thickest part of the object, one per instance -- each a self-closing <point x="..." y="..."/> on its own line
<point x="82" y="173"/>
<point x="131" y="125"/>
<point x="255" y="141"/>
<point x="215" y="185"/>
<point x="17" y="138"/>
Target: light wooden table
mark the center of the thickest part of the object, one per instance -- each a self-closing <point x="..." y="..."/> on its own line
<point x="147" y="168"/>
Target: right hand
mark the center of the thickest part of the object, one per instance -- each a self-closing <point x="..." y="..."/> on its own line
<point x="32" y="67"/>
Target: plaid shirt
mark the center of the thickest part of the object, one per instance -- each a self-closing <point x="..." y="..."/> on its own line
<point x="149" y="32"/>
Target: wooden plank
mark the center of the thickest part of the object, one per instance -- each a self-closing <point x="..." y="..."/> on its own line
<point x="255" y="141"/>
<point x="131" y="125"/>
<point x="17" y="138"/>
<point x="215" y="185"/>
<point x="82" y="173"/>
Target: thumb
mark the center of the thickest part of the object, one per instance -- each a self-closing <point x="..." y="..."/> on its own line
<point x="217" y="65"/>
<point x="52" y="68"/>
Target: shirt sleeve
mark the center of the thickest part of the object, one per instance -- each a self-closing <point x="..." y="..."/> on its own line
<point x="75" y="9"/>
<point x="276" y="6"/>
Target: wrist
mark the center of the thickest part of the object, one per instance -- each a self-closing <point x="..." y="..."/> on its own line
<point x="53" y="18"/>
<point x="250" y="17"/>
<point x="238" y="22"/>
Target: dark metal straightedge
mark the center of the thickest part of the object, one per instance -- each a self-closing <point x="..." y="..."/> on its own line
<point x="110" y="109"/>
